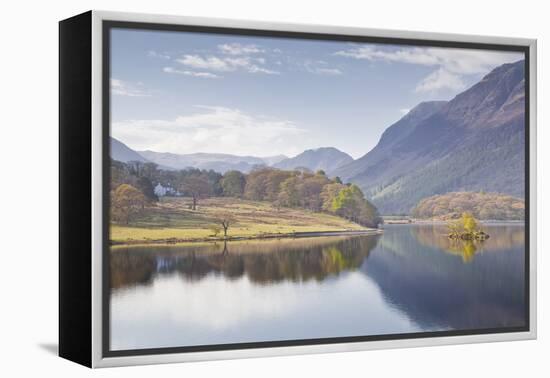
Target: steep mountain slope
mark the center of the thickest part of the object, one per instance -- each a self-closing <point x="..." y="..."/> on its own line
<point x="378" y="161"/>
<point x="325" y="158"/>
<point x="473" y="142"/>
<point x="123" y="153"/>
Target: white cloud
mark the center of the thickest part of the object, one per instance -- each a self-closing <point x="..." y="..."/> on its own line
<point x="229" y="57"/>
<point x="156" y="54"/>
<point x="224" y="64"/>
<point x="328" y="71"/>
<point x="239" y="49"/>
<point x="187" y="304"/>
<point x="404" y="111"/>
<point x="451" y="64"/>
<point x="211" y="63"/>
<point x="213" y="129"/>
<point x="257" y="69"/>
<point x="231" y="310"/>
<point x="440" y="79"/>
<point x="404" y="55"/>
<point x="202" y="75"/>
<point x="321" y="67"/>
<point x="123" y="88"/>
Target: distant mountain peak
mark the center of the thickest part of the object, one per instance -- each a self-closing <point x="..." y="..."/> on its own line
<point x="325" y="158"/>
<point x="272" y="160"/>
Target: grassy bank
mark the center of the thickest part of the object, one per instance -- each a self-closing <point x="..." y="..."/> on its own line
<point x="171" y="219"/>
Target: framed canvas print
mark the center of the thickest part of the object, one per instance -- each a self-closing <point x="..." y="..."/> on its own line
<point x="235" y="189"/>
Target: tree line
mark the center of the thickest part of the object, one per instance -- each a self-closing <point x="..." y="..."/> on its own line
<point x="132" y="188"/>
<point x="481" y="205"/>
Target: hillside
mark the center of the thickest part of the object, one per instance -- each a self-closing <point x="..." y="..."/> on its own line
<point x="473" y="142"/>
<point x="485" y="206"/>
<point x="123" y="153"/>
<point x="171" y="218"/>
<point x="325" y="158"/>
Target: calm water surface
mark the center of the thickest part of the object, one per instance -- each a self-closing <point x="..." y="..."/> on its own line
<point x="410" y="279"/>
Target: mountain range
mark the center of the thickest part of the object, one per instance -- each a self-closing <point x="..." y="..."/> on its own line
<point x="326" y="158"/>
<point x="123" y="153"/>
<point x="474" y="142"/>
<point x="217" y="162"/>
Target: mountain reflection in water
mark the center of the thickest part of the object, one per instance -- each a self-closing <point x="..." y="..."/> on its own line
<point x="409" y="279"/>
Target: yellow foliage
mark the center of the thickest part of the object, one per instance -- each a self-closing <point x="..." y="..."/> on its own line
<point x="487" y="206"/>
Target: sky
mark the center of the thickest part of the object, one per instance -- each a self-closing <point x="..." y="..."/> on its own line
<point x="184" y="92"/>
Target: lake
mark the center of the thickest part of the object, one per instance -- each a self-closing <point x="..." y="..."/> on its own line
<point x="410" y="279"/>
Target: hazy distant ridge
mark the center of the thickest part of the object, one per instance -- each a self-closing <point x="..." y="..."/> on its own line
<point x="123" y="153"/>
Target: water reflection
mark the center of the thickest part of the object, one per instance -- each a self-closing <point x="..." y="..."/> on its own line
<point x="410" y="279"/>
<point x="419" y="273"/>
<point x="263" y="263"/>
<point x="502" y="237"/>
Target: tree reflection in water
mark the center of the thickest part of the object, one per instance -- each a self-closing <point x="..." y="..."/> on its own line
<point x="263" y="262"/>
<point x="502" y="238"/>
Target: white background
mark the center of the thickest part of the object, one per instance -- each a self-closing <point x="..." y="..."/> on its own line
<point x="29" y="189"/>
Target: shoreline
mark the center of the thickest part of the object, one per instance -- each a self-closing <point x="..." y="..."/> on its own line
<point x="294" y="235"/>
<point x="439" y="221"/>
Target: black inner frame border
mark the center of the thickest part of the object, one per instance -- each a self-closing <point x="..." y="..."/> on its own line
<point x="108" y="25"/>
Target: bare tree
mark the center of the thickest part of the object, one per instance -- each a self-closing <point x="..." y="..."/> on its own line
<point x="225" y="220"/>
<point x="196" y="187"/>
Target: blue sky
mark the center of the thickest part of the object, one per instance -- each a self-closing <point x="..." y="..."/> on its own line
<point x="193" y="92"/>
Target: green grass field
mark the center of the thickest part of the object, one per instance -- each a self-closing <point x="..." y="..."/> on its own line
<point x="171" y="218"/>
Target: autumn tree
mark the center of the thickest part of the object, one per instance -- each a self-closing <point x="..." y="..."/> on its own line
<point x="481" y="205"/>
<point x="329" y="193"/>
<point x="350" y="203"/>
<point x="310" y="188"/>
<point x="256" y="185"/>
<point x="469" y="223"/>
<point x="233" y="184"/>
<point x="455" y="229"/>
<point x="126" y="202"/>
<point x="347" y="202"/>
<point x="467" y="228"/>
<point x="289" y="195"/>
<point x="265" y="184"/>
